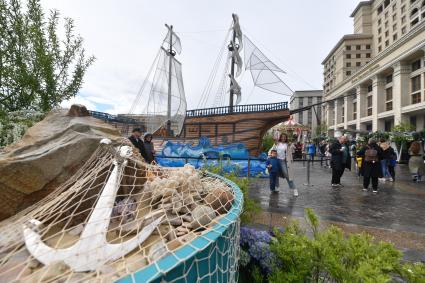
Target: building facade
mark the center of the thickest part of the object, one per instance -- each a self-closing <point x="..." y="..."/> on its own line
<point x="311" y="117"/>
<point x="374" y="79"/>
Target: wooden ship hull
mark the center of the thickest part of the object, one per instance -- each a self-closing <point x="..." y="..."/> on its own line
<point x="246" y="124"/>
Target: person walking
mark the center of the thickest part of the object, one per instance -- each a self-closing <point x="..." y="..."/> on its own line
<point x="284" y="155"/>
<point x="371" y="168"/>
<point x="416" y="161"/>
<point x="388" y="155"/>
<point x="274" y="168"/>
<point x="340" y="160"/>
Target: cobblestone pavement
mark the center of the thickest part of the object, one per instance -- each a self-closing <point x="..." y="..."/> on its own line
<point x="396" y="213"/>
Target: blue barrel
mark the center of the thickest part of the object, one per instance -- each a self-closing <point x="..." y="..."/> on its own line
<point x="211" y="257"/>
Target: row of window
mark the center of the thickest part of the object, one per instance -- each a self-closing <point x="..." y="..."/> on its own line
<point x="358" y="47"/>
<point x="348" y="56"/>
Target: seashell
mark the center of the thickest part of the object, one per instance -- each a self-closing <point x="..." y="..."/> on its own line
<point x="157" y="251"/>
<point x="182" y="229"/>
<point x="220" y="200"/>
<point x="202" y="216"/>
<point x="187" y="218"/>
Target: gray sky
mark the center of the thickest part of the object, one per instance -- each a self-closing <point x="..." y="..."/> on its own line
<point x="125" y="37"/>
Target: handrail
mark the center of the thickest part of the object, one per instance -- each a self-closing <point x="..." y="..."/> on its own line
<point x="113" y="118"/>
<point x="250" y="108"/>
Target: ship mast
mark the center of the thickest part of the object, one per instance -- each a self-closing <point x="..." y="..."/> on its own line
<point x="232" y="46"/>
<point x="171" y="53"/>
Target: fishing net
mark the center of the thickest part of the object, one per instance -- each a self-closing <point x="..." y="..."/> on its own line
<point x="120" y="219"/>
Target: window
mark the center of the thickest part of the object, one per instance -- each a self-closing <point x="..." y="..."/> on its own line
<point x="358" y="64"/>
<point x="386" y="34"/>
<point x="386" y="24"/>
<point x="379" y="22"/>
<point x="379" y="39"/>
<point x="416" y="98"/>
<point x="389" y="99"/>
<point x="389" y="78"/>
<point x="394" y="37"/>
<point x="413" y="121"/>
<point x="369" y="127"/>
<point x="403" y="30"/>
<point x="388" y="126"/>
<point x="342" y="114"/>
<point x="358" y="55"/>
<point x="348" y="47"/>
<point x="379" y="48"/>
<point x="380" y="9"/>
<point x="403" y="19"/>
<point x="369" y="105"/>
<point x="348" y="64"/>
<point x="394" y="7"/>
<point x="379" y="30"/>
<point x="369" y="88"/>
<point x="414" y="12"/>
<point x="387" y="42"/>
<point x="368" y="46"/>
<point x="367" y="55"/>
<point x="358" y="47"/>
<point x="416" y="65"/>
<point x="309" y="117"/>
<point x="348" y="56"/>
<point x="354" y="110"/>
<point x="386" y="3"/>
<point x="403" y="9"/>
<point x="386" y="15"/>
<point x="414" y="22"/>
<point x="415" y="83"/>
<point x="348" y="73"/>
<point x="394" y="27"/>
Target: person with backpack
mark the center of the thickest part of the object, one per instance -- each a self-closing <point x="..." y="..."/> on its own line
<point x="371" y="167"/>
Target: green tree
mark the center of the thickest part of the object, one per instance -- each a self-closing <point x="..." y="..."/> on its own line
<point x="38" y="70"/>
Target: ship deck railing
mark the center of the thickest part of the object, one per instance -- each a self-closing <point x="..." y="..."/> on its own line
<point x="249" y="108"/>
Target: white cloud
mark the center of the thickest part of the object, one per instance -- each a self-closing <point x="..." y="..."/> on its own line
<point x="125" y="37"/>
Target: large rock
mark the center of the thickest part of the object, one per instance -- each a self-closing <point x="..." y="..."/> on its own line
<point x="47" y="155"/>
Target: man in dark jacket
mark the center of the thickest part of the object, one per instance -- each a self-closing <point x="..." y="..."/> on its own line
<point x="340" y="160"/>
<point x="371" y="164"/>
<point x="137" y="141"/>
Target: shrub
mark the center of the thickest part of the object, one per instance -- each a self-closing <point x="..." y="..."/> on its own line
<point x="13" y="125"/>
<point x="329" y="256"/>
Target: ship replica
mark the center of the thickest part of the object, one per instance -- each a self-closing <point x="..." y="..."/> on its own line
<point x="165" y="114"/>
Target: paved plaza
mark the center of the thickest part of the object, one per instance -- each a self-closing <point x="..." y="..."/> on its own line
<point x="396" y="213"/>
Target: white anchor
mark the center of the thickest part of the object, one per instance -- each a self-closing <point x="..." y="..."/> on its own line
<point x="92" y="250"/>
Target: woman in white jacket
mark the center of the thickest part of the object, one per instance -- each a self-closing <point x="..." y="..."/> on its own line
<point x="284" y="154"/>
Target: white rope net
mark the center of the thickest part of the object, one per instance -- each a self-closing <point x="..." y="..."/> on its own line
<point x="118" y="215"/>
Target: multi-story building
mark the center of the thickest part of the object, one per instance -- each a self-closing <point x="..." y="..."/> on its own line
<point x="375" y="78"/>
<point x="312" y="116"/>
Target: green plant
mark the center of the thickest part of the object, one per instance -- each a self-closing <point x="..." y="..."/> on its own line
<point x="329" y="256"/>
<point x="14" y="125"/>
<point x="267" y="142"/>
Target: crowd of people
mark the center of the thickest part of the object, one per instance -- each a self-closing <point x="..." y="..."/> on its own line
<point x="374" y="160"/>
